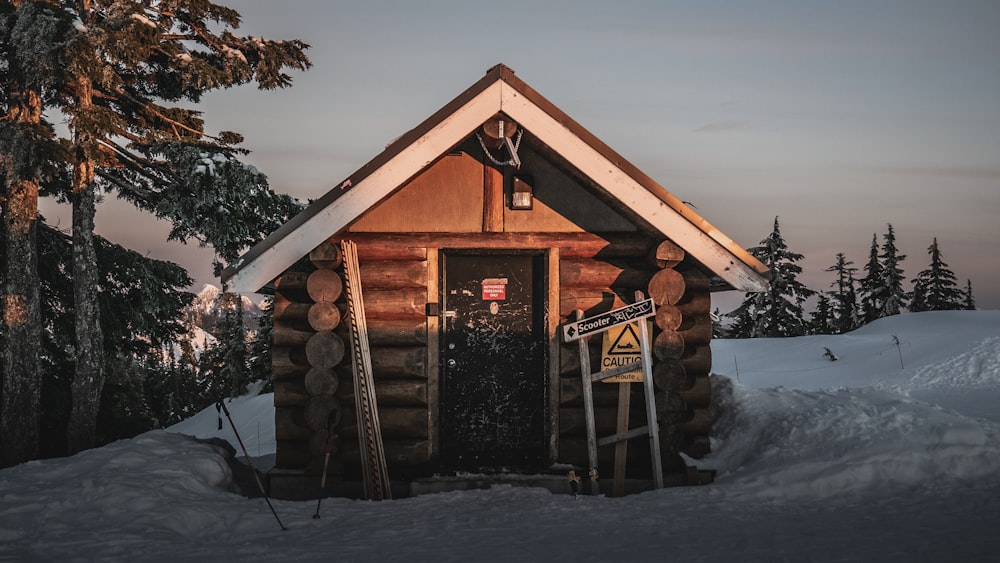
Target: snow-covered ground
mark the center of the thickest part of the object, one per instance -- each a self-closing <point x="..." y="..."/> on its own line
<point x="850" y="460"/>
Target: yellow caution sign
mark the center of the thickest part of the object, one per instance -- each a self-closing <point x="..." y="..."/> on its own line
<point x="621" y="347"/>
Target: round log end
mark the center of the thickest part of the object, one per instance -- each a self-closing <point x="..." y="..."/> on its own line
<point x="324" y="286"/>
<point x="321" y="381"/>
<point x="323" y="316"/>
<point x="666" y="287"/>
<point x="326" y="256"/>
<point x="668" y="345"/>
<point x="324" y="350"/>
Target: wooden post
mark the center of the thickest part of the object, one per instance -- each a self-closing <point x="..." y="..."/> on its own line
<point x="588" y="410"/>
<point x="493" y="195"/>
<point x="647" y="382"/>
<point x="432" y="336"/>
<point x="621" y="448"/>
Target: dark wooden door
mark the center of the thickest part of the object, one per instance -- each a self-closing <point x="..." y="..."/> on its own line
<point x="493" y="364"/>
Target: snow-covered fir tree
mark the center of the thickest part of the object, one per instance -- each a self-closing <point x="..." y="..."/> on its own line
<point x="778" y="311"/>
<point x="871" y="292"/>
<point x="845" y="314"/>
<point x="894" y="296"/>
<point x="882" y="292"/>
<point x="823" y="319"/>
<point x="936" y="288"/>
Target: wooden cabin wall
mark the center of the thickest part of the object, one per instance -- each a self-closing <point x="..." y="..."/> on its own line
<point x="394" y="285"/>
<point x="311" y="358"/>
<point x="398" y="249"/>
<point x="399" y="274"/>
<point x="305" y="356"/>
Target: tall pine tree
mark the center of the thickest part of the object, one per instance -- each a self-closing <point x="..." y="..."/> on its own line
<point x="778" y="311"/>
<point x="968" y="300"/>
<point x="872" y="298"/>
<point x="844" y="310"/>
<point x="894" y="296"/>
<point x="936" y="288"/>
<point x="127" y="61"/>
<point x="882" y="292"/>
<point x="126" y="73"/>
<point x="823" y="320"/>
<point x="29" y="61"/>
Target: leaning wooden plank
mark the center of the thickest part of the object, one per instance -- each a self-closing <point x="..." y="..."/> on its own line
<point x="373" y="463"/>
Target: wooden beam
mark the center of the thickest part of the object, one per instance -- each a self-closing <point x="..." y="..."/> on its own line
<point x="493" y="198"/>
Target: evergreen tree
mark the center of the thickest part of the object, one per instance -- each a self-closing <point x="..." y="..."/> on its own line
<point x="235" y="355"/>
<point x="936" y="288"/>
<point x="871" y="286"/>
<point x="174" y="393"/>
<point x="778" y="311"/>
<point x="969" y="300"/>
<point x="28" y="61"/>
<point x="894" y="296"/>
<point x="743" y="325"/>
<point x="844" y="310"/>
<point x="133" y="336"/>
<point x="717" y="329"/>
<point x="823" y="320"/>
<point x="260" y="345"/>
<point x="120" y="63"/>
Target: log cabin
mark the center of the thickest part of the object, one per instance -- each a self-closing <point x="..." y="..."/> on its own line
<point x="478" y="234"/>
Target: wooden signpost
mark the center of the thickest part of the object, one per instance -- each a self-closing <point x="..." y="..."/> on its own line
<point x="581" y="330"/>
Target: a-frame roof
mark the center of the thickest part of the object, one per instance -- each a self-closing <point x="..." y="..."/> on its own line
<point x="498" y="91"/>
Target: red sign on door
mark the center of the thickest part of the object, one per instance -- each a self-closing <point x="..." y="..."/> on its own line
<point x="495" y="289"/>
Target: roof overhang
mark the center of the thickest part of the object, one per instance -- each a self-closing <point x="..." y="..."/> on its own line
<point x="498" y="91"/>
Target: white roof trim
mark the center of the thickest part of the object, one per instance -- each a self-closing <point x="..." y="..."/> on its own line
<point x="363" y="195"/>
<point x="706" y="247"/>
<point x="705" y="243"/>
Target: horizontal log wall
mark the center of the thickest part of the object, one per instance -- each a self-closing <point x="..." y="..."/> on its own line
<point x="394" y="278"/>
<point x="595" y="273"/>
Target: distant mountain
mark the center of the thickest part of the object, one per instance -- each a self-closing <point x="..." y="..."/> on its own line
<point x="209" y="309"/>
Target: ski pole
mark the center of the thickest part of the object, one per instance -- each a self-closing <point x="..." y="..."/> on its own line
<point x="330" y="423"/>
<point x="220" y="405"/>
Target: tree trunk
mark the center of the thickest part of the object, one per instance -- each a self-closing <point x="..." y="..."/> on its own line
<point x="22" y="317"/>
<point x="88" y="381"/>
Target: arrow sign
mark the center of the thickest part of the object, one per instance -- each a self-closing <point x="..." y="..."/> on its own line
<point x="598" y="323"/>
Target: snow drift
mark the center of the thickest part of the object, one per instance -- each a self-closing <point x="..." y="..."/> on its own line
<point x="850" y="460"/>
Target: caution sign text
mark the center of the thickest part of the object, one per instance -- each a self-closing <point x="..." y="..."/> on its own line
<point x="621" y="347"/>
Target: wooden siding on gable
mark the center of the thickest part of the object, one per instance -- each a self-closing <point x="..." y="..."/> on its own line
<point x="561" y="204"/>
<point x="446" y="197"/>
<point x="452" y="196"/>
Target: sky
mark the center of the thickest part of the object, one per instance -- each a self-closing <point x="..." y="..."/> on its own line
<point x="838" y="118"/>
<point x="852" y="460"/>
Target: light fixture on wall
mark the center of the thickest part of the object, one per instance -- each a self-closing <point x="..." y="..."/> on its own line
<point x="522" y="196"/>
